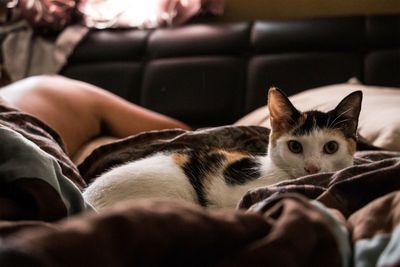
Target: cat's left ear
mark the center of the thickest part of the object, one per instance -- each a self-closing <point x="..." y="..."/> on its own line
<point x="348" y="111"/>
<point x="283" y="114"/>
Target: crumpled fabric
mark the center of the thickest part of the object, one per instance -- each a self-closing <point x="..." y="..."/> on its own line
<point x="46" y="15"/>
<point x="27" y="54"/>
<point x="144" y="14"/>
<point x="32" y="183"/>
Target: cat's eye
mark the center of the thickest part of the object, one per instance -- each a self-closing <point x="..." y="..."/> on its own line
<point x="295" y="146"/>
<point x="331" y="147"/>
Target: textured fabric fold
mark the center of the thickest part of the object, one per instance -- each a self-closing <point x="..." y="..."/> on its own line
<point x="26" y="54"/>
<point x="33" y="180"/>
<point x="291" y="232"/>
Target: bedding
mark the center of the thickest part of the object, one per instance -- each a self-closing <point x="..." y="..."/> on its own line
<point x="346" y="218"/>
<point x="37" y="179"/>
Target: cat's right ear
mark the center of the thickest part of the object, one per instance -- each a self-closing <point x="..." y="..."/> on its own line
<point x="283" y="114"/>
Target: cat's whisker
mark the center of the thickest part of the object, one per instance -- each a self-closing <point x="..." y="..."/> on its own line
<point x="339" y="122"/>
<point x="340" y="115"/>
<point x="328" y="122"/>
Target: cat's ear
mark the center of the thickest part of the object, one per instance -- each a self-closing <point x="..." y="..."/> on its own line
<point x="348" y="111"/>
<point x="283" y="114"/>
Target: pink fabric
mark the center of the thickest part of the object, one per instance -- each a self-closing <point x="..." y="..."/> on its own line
<point x="195" y="7"/>
<point x="46" y="14"/>
<point x="57" y="14"/>
<point x="145" y="14"/>
<point x="213" y="6"/>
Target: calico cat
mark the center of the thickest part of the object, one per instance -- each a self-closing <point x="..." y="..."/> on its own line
<point x="301" y="143"/>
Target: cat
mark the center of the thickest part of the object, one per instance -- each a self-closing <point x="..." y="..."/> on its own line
<point x="301" y="143"/>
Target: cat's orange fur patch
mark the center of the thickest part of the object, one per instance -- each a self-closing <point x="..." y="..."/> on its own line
<point x="275" y="135"/>
<point x="351" y="143"/>
<point x="231" y="156"/>
<point x="180" y="159"/>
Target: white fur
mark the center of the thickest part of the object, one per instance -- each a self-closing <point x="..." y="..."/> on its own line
<point x="220" y="194"/>
<point x="156" y="176"/>
<point x="313" y="153"/>
<point x="159" y="177"/>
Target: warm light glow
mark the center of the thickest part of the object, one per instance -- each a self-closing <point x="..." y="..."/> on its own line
<point x="130" y="13"/>
<point x="144" y="13"/>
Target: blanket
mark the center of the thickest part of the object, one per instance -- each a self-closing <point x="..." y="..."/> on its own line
<point x="346" y="218"/>
<point x="37" y="179"/>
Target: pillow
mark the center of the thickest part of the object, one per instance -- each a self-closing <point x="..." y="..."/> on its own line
<point x="379" y="119"/>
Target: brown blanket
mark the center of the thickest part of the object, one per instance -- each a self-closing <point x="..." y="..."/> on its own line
<point x="346" y="218"/>
<point x="37" y="179"/>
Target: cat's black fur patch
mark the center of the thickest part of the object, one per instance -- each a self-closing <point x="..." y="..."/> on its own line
<point x="321" y="120"/>
<point x="199" y="165"/>
<point x="242" y="171"/>
<point x="314" y="119"/>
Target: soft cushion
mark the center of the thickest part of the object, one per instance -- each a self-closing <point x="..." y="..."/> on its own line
<point x="380" y="113"/>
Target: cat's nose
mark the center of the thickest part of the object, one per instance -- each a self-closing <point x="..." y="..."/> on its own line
<point x="311" y="169"/>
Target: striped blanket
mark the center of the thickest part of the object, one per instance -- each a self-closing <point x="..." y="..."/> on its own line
<point x="347" y="218"/>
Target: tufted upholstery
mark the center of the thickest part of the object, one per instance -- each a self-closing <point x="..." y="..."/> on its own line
<point x="212" y="74"/>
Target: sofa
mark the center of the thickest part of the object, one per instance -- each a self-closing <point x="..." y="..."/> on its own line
<point x="210" y="74"/>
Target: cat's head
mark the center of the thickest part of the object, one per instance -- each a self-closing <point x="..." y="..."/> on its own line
<point x="303" y="143"/>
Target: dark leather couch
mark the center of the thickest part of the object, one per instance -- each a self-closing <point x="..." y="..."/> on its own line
<point x="209" y="74"/>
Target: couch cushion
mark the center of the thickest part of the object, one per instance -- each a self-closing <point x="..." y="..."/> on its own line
<point x="120" y="78"/>
<point x="296" y="72"/>
<point x="383" y="67"/>
<point x="199" y="39"/>
<point x="307" y="35"/>
<point x="198" y="90"/>
<point x="383" y="31"/>
<point x="111" y="45"/>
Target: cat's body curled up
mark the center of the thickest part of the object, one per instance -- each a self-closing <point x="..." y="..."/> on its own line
<point x="301" y="143"/>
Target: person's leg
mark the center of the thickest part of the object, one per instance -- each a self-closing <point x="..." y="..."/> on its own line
<point x="79" y="112"/>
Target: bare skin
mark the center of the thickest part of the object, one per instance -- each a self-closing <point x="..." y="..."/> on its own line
<point x="81" y="113"/>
